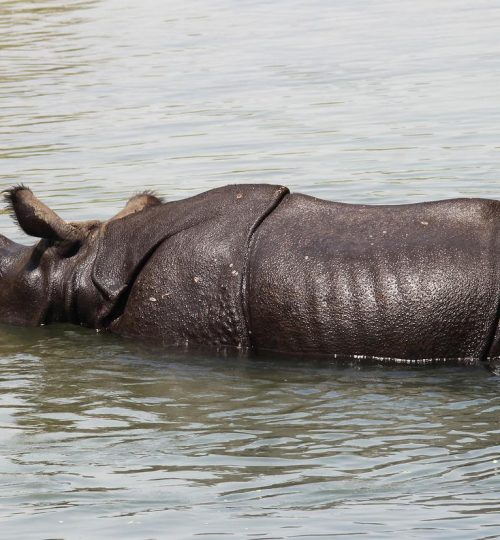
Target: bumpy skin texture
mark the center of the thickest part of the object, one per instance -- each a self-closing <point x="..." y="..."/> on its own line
<point x="410" y="282"/>
<point x="253" y="267"/>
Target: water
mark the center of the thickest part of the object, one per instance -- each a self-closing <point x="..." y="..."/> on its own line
<point x="357" y="101"/>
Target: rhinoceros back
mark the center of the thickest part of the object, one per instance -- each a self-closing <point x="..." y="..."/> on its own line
<point x="407" y="282"/>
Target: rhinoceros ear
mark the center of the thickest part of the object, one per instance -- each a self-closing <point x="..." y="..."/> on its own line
<point x="139" y="202"/>
<point x="37" y="219"/>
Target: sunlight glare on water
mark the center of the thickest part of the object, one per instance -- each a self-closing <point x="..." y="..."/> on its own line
<point x="356" y="101"/>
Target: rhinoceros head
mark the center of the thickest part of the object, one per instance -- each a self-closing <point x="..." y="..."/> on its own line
<point x="51" y="281"/>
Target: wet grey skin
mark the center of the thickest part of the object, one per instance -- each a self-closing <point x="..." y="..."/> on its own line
<point x="258" y="269"/>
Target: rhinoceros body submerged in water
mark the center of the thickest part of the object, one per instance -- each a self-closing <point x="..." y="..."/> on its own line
<point x="257" y="268"/>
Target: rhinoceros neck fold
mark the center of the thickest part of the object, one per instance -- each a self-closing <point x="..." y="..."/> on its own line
<point x="176" y="273"/>
<point x="114" y="306"/>
<point x="70" y="294"/>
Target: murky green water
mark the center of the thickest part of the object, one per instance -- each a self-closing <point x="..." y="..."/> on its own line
<point x="358" y="101"/>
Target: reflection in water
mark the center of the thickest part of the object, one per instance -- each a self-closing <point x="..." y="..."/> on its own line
<point x="354" y="101"/>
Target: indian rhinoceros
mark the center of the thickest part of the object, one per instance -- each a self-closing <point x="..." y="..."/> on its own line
<point x="257" y="268"/>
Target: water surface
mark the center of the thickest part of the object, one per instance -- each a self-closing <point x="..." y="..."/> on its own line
<point x="358" y="101"/>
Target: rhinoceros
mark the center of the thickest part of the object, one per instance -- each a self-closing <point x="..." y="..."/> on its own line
<point x="257" y="268"/>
